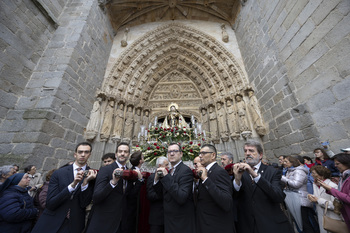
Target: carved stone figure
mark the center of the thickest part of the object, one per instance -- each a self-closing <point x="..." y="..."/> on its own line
<point x="255" y="114"/>
<point x="137" y="123"/>
<point x="213" y="123"/>
<point x="174" y="118"/>
<point x="232" y="119"/>
<point x="205" y="121"/>
<point x="225" y="37"/>
<point x="129" y="120"/>
<point x="93" y="126"/>
<point x="124" y="41"/>
<point x="107" y="122"/>
<point x="221" y="115"/>
<point x="145" y="118"/>
<point x="118" y="122"/>
<point x="241" y="112"/>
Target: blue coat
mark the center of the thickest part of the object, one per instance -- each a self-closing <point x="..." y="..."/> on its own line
<point x="17" y="211"/>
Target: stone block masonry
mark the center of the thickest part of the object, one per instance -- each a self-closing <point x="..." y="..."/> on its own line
<point x="310" y="41"/>
<point x="49" y="76"/>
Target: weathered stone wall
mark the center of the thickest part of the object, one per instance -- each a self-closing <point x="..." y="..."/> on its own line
<point x="44" y="122"/>
<point x="297" y="55"/>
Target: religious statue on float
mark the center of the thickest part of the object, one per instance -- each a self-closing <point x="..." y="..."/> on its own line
<point x="174" y="118"/>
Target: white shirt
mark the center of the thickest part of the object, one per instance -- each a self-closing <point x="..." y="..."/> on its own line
<point x="75" y="171"/>
<point x="256" y="179"/>
<point x="208" y="167"/>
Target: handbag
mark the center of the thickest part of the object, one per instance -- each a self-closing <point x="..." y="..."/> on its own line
<point x="333" y="225"/>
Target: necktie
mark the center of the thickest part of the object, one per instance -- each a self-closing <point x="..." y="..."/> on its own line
<point x="124" y="181"/>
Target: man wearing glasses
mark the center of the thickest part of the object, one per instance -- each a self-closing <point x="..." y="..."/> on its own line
<point x="69" y="192"/>
<point x="176" y="186"/>
<point x="214" y="202"/>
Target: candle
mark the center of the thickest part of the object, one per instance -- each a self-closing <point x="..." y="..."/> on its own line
<point x="155" y="121"/>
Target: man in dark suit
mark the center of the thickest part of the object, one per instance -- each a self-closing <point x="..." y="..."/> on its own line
<point x="177" y="193"/>
<point x="156" y="213"/>
<point x="68" y="195"/>
<point x="214" y="201"/>
<point x="259" y="194"/>
<point x="112" y="195"/>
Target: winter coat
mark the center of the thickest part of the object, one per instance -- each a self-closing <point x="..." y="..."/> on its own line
<point x="296" y="180"/>
<point x="17" y="211"/>
<point x="323" y="197"/>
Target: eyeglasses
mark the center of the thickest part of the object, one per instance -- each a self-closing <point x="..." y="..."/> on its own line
<point x="205" y="152"/>
<point x="80" y="152"/>
<point x="173" y="151"/>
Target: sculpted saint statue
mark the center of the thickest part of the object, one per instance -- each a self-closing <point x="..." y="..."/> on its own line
<point x="95" y="118"/>
<point x="128" y="123"/>
<point x="231" y="118"/>
<point x="137" y="123"/>
<point x="221" y="114"/>
<point x="241" y="112"/>
<point x="213" y="123"/>
<point x="254" y="111"/>
<point x="174" y="118"/>
<point x="118" y="122"/>
<point x="107" y="122"/>
<point x="145" y="118"/>
<point x="205" y="123"/>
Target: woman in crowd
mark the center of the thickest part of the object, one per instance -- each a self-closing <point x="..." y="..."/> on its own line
<point x="320" y="196"/>
<point x="35" y="179"/>
<point x="17" y="211"/>
<point x="308" y="161"/>
<point x="323" y="159"/>
<point x="342" y="162"/>
<point x="296" y="181"/>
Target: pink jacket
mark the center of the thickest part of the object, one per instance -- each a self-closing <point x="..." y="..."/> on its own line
<point x="344" y="196"/>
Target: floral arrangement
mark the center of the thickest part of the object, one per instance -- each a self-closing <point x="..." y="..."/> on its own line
<point x="159" y="138"/>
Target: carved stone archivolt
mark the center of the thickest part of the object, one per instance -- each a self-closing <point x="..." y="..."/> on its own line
<point x="177" y="63"/>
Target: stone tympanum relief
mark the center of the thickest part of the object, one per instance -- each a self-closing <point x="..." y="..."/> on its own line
<point x="178" y="64"/>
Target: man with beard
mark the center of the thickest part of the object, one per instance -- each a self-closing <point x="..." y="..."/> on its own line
<point x="259" y="194"/>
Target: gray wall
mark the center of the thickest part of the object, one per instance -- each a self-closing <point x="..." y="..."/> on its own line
<point x="46" y="113"/>
<point x="297" y="55"/>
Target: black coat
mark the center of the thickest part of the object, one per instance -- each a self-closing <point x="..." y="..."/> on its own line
<point x="60" y="200"/>
<point x="179" y="216"/>
<point x="156" y="213"/>
<point x="111" y="204"/>
<point x="17" y="211"/>
<point x="214" y="203"/>
<point x="259" y="203"/>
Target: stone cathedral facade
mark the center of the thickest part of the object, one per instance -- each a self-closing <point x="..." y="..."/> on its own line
<point x="273" y="71"/>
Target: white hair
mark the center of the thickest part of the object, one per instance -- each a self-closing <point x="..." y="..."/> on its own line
<point x="161" y="160"/>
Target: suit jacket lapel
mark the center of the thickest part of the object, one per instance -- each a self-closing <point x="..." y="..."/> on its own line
<point x="70" y="174"/>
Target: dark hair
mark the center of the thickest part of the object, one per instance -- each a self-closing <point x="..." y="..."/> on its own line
<point x="83" y="144"/>
<point x="211" y="148"/>
<point x="28" y="168"/>
<point x="175" y="143"/>
<point x="108" y="155"/>
<point x="343" y="158"/>
<point x="323" y="152"/>
<point x="49" y="174"/>
<point x="256" y="144"/>
<point x="293" y="160"/>
<point x="307" y="158"/>
<point x="321" y="171"/>
<point x="122" y="144"/>
<point x="135" y="158"/>
<point x="299" y="158"/>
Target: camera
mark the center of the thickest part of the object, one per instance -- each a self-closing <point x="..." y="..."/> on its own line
<point x="118" y="173"/>
<point x="160" y="174"/>
<point x="200" y="173"/>
<point x="86" y="173"/>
